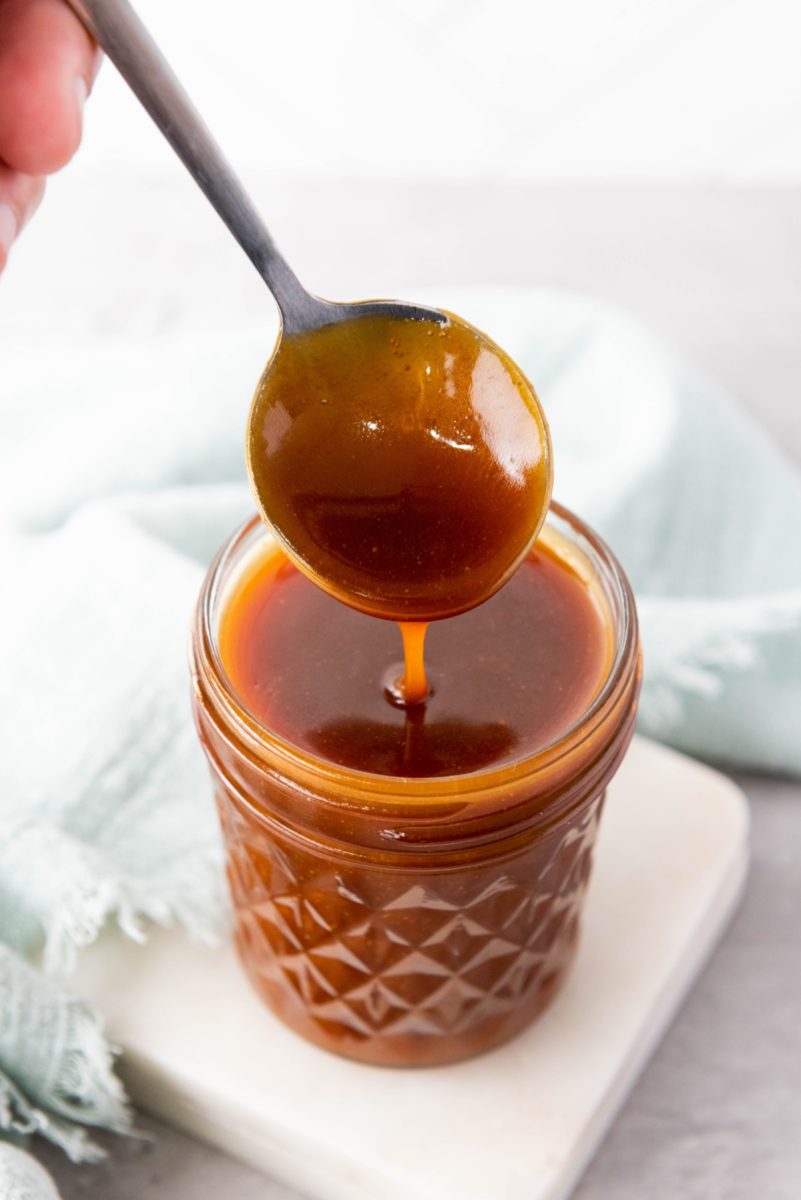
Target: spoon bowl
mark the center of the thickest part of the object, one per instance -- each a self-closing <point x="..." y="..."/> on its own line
<point x="405" y="465"/>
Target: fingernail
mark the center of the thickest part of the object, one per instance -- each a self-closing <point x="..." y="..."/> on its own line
<point x="8" y="227"/>
<point x="81" y="91"/>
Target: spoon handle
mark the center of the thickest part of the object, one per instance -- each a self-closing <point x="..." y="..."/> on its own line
<point x="119" y="31"/>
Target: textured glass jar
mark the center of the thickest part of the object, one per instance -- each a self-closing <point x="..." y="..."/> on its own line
<point x="411" y="921"/>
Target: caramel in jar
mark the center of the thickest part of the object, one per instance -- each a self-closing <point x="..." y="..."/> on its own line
<point x="408" y="884"/>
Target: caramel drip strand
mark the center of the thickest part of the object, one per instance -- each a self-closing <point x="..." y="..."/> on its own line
<point x="413" y="686"/>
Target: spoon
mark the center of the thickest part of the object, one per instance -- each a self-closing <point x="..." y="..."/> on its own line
<point x="400" y="456"/>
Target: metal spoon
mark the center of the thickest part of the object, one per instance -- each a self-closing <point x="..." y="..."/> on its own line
<point x="118" y="30"/>
<point x="447" y="461"/>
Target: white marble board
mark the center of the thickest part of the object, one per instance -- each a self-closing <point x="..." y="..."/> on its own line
<point x="520" y="1123"/>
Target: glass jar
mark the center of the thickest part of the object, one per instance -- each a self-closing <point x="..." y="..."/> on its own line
<point x="411" y="921"/>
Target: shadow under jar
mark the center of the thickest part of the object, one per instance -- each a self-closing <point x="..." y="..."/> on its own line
<point x="412" y="921"/>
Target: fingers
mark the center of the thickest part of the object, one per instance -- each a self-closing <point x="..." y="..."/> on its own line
<point x="47" y="66"/>
<point x="19" y="198"/>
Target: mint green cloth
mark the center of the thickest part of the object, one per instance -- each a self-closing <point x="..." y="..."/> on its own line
<point x="55" y="1067"/>
<point x="703" y="510"/>
<point x="121" y="471"/>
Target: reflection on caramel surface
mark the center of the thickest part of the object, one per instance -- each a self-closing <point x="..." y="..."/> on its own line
<point x="405" y="464"/>
<point x="505" y="678"/>
<point x="439" y="744"/>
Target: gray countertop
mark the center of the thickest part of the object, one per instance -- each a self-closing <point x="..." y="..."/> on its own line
<point x="717" y="1113"/>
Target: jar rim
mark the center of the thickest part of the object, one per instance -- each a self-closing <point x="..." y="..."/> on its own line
<point x="399" y="789"/>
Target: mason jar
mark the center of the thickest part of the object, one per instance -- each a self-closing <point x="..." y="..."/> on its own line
<point x="410" y="921"/>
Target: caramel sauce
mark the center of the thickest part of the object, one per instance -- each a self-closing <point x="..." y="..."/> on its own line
<point x="394" y="902"/>
<point x="405" y="465"/>
<point x="412" y="686"/>
<point x="503" y="680"/>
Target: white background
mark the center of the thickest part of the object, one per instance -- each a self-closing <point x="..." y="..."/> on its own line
<point x="621" y="89"/>
<point x="393" y="143"/>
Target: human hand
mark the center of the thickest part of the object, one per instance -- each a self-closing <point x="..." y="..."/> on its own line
<point x="47" y="67"/>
